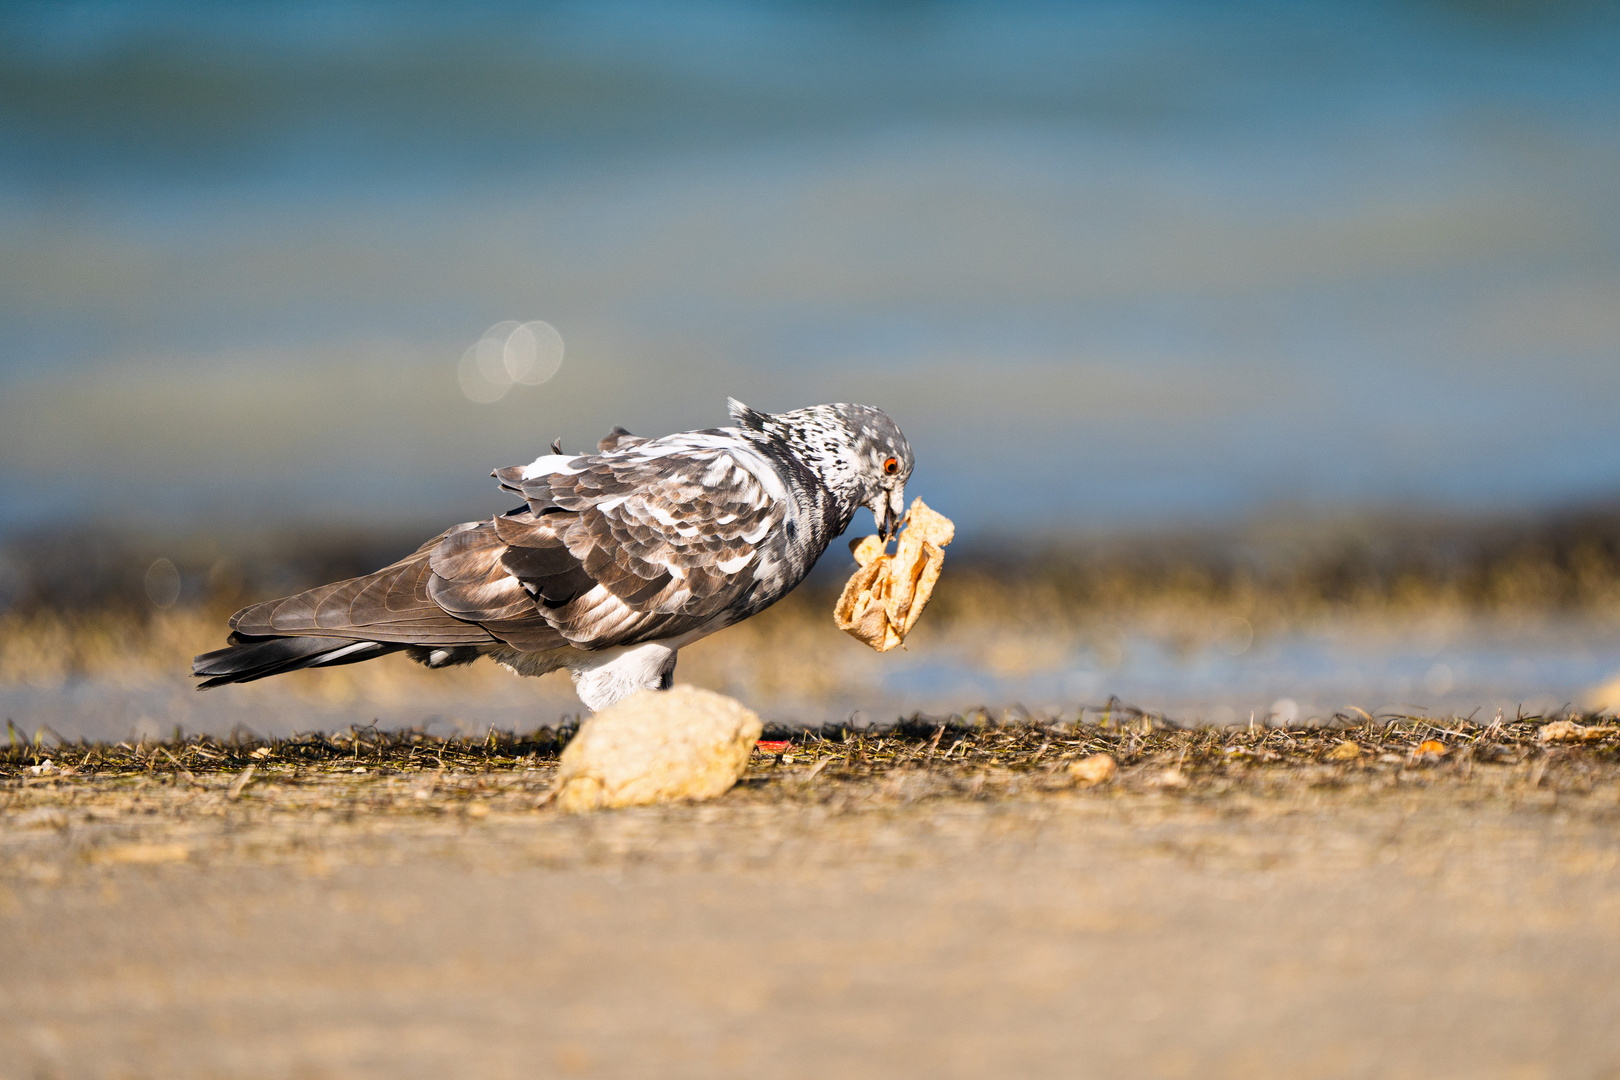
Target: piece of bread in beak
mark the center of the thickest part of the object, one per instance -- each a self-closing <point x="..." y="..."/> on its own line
<point x="882" y="601"/>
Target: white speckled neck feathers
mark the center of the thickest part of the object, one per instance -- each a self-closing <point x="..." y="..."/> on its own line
<point x="815" y="446"/>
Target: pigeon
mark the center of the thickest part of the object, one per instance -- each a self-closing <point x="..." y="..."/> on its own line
<point x="614" y="562"/>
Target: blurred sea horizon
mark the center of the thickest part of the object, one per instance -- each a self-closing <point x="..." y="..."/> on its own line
<point x="1111" y="266"/>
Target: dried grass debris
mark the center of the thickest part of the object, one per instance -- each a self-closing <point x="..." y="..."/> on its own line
<point x="973" y="755"/>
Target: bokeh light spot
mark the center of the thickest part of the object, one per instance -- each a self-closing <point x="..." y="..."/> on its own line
<point x="1235" y="635"/>
<point x="534" y="353"/>
<point x="474" y="385"/>
<point x="509" y="353"/>
<point x="1284" y="711"/>
<point x="162" y="584"/>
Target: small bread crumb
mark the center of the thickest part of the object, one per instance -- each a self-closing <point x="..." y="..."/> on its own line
<point x="1096" y="769"/>
<point x="1345" y="751"/>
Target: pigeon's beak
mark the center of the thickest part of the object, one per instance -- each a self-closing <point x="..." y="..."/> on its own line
<point x="887" y="510"/>
<point x="880" y="515"/>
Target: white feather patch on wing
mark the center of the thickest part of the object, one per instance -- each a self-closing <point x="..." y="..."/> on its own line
<point x="596" y="615"/>
<point x="731" y="566"/>
<point x="718" y="472"/>
<point x="550" y="465"/>
<point x="731" y="442"/>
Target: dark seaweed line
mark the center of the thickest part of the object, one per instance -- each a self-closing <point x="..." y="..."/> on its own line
<point x="962" y="741"/>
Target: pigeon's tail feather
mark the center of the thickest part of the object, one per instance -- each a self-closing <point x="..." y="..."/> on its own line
<point x="249" y="658"/>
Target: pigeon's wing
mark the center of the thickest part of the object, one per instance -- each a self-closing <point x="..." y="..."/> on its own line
<point x="390" y="605"/>
<point x="646" y="542"/>
<point x="643" y="543"/>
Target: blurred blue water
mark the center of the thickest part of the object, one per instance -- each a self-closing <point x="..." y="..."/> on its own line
<point x="1296" y="679"/>
<point x="1292" y="678"/>
<point x="1110" y="265"/>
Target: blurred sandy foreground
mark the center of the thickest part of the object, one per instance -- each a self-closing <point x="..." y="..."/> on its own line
<point x="1426" y="899"/>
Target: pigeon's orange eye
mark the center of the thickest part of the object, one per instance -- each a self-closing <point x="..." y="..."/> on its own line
<point x="891" y="466"/>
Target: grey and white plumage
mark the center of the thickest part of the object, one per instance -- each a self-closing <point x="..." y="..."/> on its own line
<point x="615" y="561"/>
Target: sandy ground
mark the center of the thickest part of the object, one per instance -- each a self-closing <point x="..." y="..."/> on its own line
<point x="850" y="913"/>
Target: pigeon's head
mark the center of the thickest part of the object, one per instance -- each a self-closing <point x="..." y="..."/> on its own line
<point x="882" y="464"/>
<point x="860" y="454"/>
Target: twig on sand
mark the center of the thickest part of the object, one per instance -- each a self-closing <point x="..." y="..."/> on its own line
<point x="242" y="780"/>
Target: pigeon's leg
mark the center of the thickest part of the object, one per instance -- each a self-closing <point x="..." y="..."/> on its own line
<point x="609" y="675"/>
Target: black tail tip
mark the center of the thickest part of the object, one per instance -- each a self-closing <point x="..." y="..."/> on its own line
<point x="247" y="659"/>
